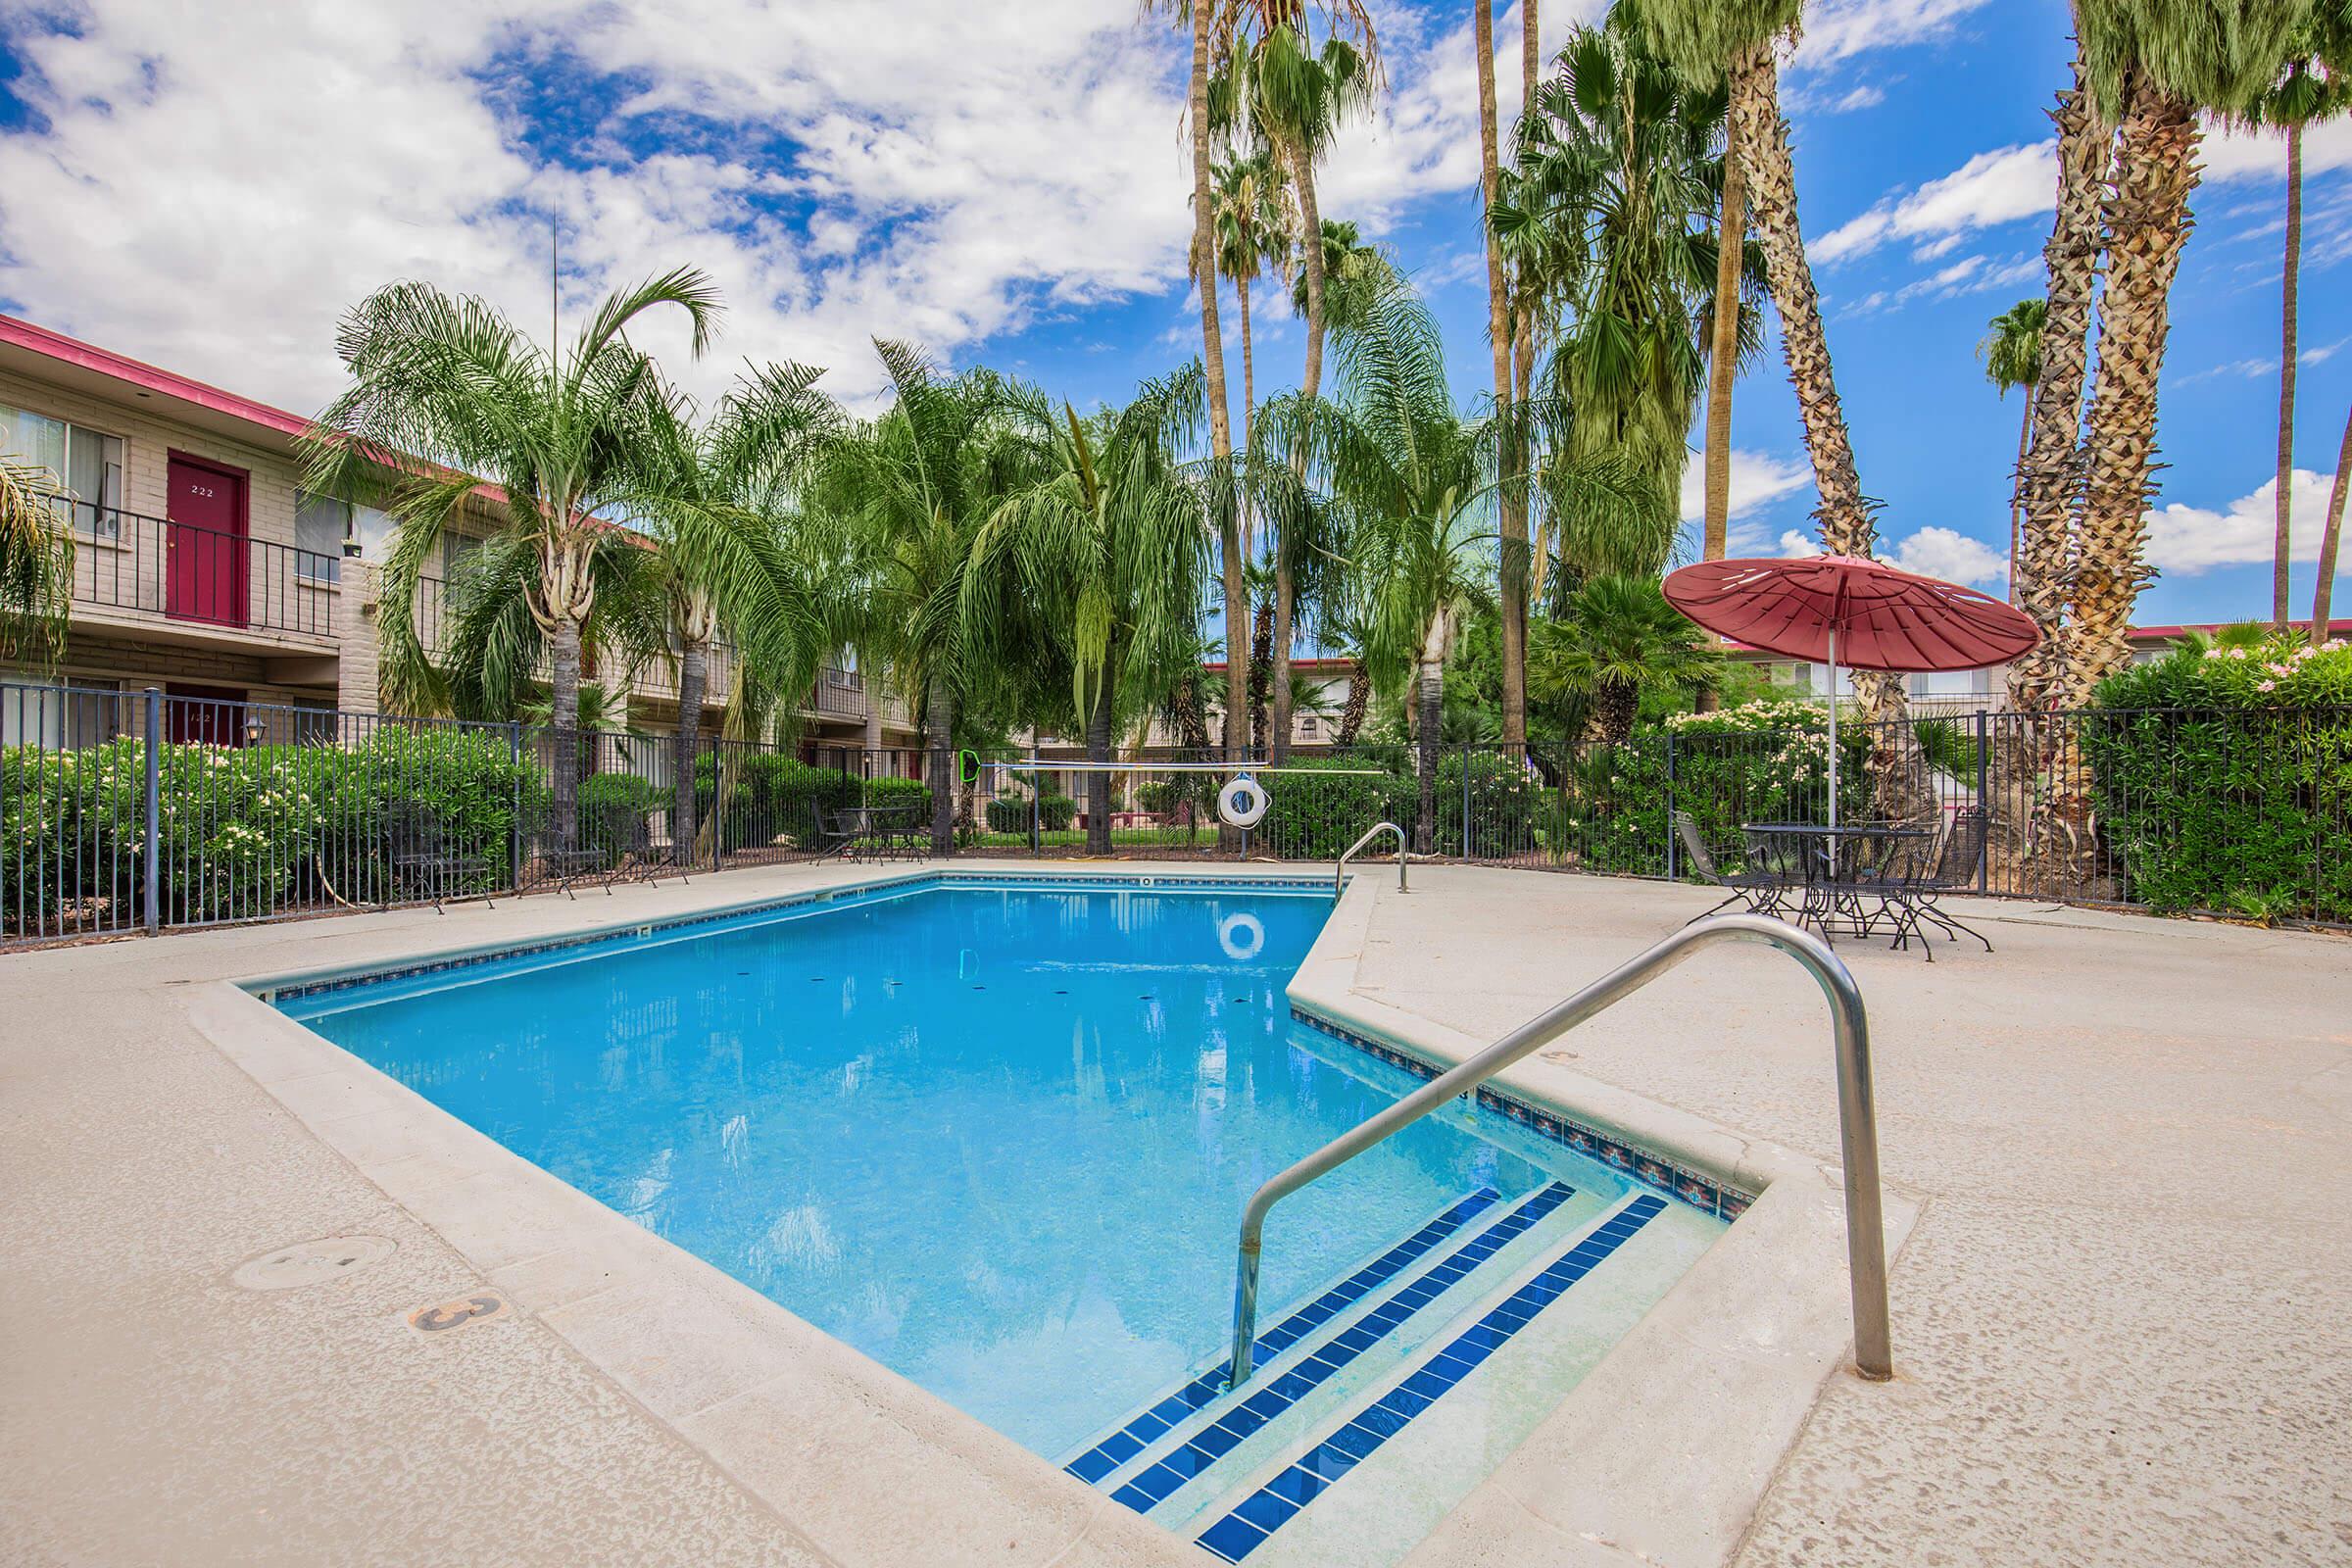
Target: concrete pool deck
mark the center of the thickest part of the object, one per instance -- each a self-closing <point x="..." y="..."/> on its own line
<point x="2118" y="1328"/>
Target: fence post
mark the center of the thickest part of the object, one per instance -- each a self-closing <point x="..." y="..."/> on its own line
<point x="515" y="805"/>
<point x="1036" y="844"/>
<point x="1984" y="807"/>
<point x="1673" y="839"/>
<point x="151" y="875"/>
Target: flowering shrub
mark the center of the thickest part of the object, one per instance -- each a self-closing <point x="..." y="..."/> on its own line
<point x="1766" y="760"/>
<point x="241" y="832"/>
<point x="2224" y="777"/>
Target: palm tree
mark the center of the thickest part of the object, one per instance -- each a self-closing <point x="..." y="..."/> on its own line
<point x="2154" y="65"/>
<point x="36" y="566"/>
<point x="912" y="492"/>
<point x="1501" y="338"/>
<point x="1610" y="213"/>
<point x="2331" y="533"/>
<point x="2311" y="88"/>
<point x="1617" y="637"/>
<point x="1413" y="478"/>
<point x="1104" y="543"/>
<point x="464" y="400"/>
<point x="1255" y="227"/>
<point x="2011" y="350"/>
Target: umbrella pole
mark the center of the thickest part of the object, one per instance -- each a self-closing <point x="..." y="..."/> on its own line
<point x="1832" y="732"/>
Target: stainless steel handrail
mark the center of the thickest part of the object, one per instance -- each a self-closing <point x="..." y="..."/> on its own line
<point x="1857" y="1118"/>
<point x="1339" y="878"/>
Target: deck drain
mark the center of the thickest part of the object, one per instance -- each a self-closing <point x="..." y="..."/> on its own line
<point x="442" y="1316"/>
<point x="330" y="1258"/>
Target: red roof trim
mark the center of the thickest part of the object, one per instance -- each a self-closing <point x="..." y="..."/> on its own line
<point x="146" y="377"/>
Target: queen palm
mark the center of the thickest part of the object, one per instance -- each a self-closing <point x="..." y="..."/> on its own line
<point x="2011" y="350"/>
<point x="1255" y="228"/>
<point x="1101" y="548"/>
<point x="1414" y="480"/>
<point x="36" y="566"/>
<point x="465" y="400"/>
<point x="1616" y="637"/>
<point x="2154" y="65"/>
<point x="1502" y="338"/>
<point x="911" y="492"/>
<point x="1610" y="213"/>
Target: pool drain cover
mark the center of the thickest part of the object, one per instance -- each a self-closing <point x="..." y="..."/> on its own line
<point x="330" y="1258"/>
<point x="442" y="1316"/>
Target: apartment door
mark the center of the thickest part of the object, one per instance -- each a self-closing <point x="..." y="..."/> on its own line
<point x="205" y="543"/>
<point x="204" y="715"/>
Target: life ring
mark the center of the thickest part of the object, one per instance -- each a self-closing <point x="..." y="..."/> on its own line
<point x="1241" y="936"/>
<point x="1241" y="803"/>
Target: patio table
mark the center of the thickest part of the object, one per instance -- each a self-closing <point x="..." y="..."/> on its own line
<point x="1836" y="869"/>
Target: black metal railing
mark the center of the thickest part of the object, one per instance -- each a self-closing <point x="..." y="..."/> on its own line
<point x="156" y="569"/>
<point x="125" y="811"/>
<point x="838" y="693"/>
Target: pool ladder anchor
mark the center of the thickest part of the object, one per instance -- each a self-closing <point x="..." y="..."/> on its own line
<point x="1339" y="878"/>
<point x="1857" y="1118"/>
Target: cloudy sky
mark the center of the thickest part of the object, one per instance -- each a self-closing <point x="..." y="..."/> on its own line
<point x="207" y="186"/>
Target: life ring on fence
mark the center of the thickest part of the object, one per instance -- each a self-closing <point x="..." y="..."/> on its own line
<point x="1241" y="803"/>
<point x="1241" y="936"/>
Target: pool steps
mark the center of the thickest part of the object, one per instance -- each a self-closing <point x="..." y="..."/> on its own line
<point x="1340" y="1375"/>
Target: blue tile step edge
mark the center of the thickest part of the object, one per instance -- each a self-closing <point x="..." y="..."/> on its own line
<point x="1281" y="1390"/>
<point x="1263" y="1509"/>
<point x="1099" y="1461"/>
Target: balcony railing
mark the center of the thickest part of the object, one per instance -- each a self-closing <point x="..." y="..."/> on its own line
<point x="156" y="569"/>
<point x="838" y="693"/>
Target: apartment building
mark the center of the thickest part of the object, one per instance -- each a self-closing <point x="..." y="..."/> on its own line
<point x="203" y="569"/>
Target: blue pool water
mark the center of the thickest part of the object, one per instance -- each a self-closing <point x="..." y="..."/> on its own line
<point x="995" y="1137"/>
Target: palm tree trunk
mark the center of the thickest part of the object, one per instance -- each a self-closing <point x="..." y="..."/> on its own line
<point x="2331" y="534"/>
<point x="1098" y="779"/>
<point x="1723" y="361"/>
<point x="2048" y="479"/>
<point x="2017" y="486"/>
<point x="692" y="663"/>
<point x="2147" y="221"/>
<point x="1310" y="252"/>
<point x="1360" y="701"/>
<point x="1513" y="509"/>
<point x="1241" y="287"/>
<point x="2280" y="614"/>
<point x="939" y="728"/>
<point x="563" y="714"/>
<point x="1212" y="355"/>
<point x="1285" y="592"/>
<point x="1261" y="655"/>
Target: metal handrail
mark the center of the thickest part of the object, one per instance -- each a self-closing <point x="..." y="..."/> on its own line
<point x="1857" y="1119"/>
<point x="1339" y="878"/>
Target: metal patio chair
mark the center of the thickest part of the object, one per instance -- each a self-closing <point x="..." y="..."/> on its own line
<point x="426" y="864"/>
<point x="1961" y="848"/>
<point x="1754" y="891"/>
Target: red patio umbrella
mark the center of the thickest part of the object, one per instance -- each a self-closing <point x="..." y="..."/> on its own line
<point x="1845" y="609"/>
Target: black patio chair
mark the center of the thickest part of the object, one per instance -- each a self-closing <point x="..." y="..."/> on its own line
<point x="1961" y="849"/>
<point x="427" y="863"/>
<point x="1758" y="892"/>
<point x="625" y="838"/>
<point x="844" y="832"/>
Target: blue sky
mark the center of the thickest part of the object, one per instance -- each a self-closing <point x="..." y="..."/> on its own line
<point x="207" y="187"/>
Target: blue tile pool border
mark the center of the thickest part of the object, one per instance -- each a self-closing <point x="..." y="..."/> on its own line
<point x="641" y="930"/>
<point x="1255" y="1520"/>
<point x="1676" y="1181"/>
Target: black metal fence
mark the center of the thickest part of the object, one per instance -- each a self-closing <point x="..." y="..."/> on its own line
<point x="126" y="811"/>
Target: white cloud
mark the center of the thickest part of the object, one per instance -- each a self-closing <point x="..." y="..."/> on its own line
<point x="1995" y="187"/>
<point x="1865" y="96"/>
<point x="256" y="168"/>
<point x="2186" y="540"/>
<point x="1757" y="479"/>
<point x="1839" y="29"/>
<point x="1950" y="555"/>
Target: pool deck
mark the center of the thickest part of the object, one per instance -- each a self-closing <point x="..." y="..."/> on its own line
<point x="2120" y="1329"/>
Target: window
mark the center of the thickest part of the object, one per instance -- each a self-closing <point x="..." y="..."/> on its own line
<point x="44" y="712"/>
<point x="371" y="526"/>
<point x="455" y="548"/>
<point x="87" y="464"/>
<point x="321" y="525"/>
<point x="1952" y="683"/>
<point x="1306" y="724"/>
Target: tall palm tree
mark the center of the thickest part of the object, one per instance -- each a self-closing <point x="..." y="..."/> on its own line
<point x="1103" y="540"/>
<point x="2331" y="534"/>
<point x="1612" y="206"/>
<point x="2155" y="66"/>
<point x="2011" y="351"/>
<point x="2042" y="567"/>
<point x="2311" y="87"/>
<point x="912" y="491"/>
<point x="1415" y="478"/>
<point x="1500" y="339"/>
<point x="1256" y="230"/>
<point x="36" y="564"/>
<point x="466" y="400"/>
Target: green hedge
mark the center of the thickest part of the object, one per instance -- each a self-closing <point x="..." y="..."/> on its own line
<point x="2223" y="779"/>
<point x="245" y="831"/>
<point x="1010" y="813"/>
<point x="774" y="798"/>
<point x="1315" y="819"/>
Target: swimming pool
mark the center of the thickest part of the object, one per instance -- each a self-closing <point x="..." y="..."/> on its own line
<point x="997" y="1135"/>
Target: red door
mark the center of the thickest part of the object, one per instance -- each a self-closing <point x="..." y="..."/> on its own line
<point x="204" y="715"/>
<point x="206" y="544"/>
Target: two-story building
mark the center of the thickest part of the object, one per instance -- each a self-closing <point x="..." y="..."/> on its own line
<point x="202" y="568"/>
